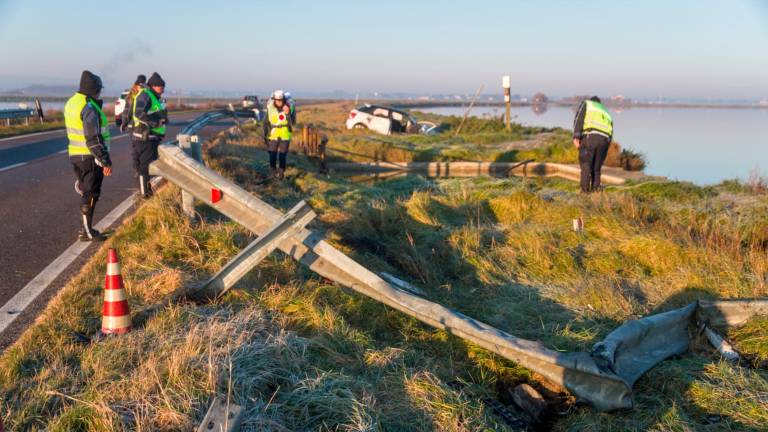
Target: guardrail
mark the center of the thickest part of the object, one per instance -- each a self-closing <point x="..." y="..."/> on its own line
<point x="25" y="113"/>
<point x="188" y="141"/>
<point x="13" y="114"/>
<point x="604" y="376"/>
<point x="17" y="113"/>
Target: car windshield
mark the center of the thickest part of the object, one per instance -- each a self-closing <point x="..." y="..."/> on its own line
<point x="366" y="108"/>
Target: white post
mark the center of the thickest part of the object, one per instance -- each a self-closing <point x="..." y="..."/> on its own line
<point x="506" y="83"/>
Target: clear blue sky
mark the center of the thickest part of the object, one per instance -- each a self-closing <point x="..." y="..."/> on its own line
<point x="702" y="48"/>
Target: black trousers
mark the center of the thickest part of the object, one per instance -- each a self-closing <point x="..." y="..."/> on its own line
<point x="592" y="153"/>
<point x="143" y="153"/>
<point x="278" y="152"/>
<point x="90" y="176"/>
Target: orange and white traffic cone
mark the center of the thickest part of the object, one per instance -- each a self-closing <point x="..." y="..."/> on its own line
<point x="116" y="317"/>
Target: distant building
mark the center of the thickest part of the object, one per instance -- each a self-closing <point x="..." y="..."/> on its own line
<point x="539" y="99"/>
<point x="620" y="100"/>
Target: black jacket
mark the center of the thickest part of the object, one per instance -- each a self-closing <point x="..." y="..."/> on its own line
<point x="146" y="120"/>
<point x="92" y="131"/>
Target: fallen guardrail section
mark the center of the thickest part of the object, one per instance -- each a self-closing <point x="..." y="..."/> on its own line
<point x="474" y="169"/>
<point x="604" y="377"/>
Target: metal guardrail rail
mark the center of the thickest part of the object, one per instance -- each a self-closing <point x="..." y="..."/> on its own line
<point x="17" y="113"/>
<point x="603" y="377"/>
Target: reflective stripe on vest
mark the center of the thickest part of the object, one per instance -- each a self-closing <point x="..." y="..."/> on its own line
<point x="279" y="122"/>
<point x="597" y="118"/>
<point x="154" y="107"/>
<point x="73" y="119"/>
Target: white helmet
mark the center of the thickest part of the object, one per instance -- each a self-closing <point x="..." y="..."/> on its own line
<point x="287" y="95"/>
<point x="278" y="94"/>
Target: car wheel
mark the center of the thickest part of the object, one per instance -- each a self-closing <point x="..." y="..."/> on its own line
<point x="360" y="126"/>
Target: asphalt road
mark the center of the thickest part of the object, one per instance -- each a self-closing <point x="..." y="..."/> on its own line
<point x="39" y="207"/>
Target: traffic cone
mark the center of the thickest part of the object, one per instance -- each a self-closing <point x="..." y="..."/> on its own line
<point x="116" y="315"/>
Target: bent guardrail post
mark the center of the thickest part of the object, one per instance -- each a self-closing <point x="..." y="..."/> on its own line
<point x="577" y="372"/>
<point x="296" y="218"/>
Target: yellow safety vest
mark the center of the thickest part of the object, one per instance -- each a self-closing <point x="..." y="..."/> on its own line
<point x="73" y="119"/>
<point x="597" y="118"/>
<point x="155" y="107"/>
<point x="279" y="122"/>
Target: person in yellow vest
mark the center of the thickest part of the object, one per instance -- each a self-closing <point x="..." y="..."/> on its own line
<point x="278" y="128"/>
<point x="126" y="117"/>
<point x="88" y="135"/>
<point x="150" y="116"/>
<point x="592" y="135"/>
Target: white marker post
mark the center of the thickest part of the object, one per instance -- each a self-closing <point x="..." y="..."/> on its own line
<point x="505" y="82"/>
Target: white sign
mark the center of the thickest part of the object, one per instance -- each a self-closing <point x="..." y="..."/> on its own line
<point x="505" y="82"/>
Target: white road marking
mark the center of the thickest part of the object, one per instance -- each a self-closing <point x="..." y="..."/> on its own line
<point x="31" y="135"/>
<point x="10" y="167"/>
<point x="19" y="302"/>
<point x="21" y="164"/>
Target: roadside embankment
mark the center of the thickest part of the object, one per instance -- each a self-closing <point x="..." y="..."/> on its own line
<point x="301" y="353"/>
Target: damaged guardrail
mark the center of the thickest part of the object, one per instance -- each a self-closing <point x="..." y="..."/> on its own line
<point x="603" y="377"/>
<point x="474" y="169"/>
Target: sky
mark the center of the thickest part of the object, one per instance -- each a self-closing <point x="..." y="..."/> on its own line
<point x="650" y="48"/>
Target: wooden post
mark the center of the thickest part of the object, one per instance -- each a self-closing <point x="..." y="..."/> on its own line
<point x="505" y="82"/>
<point x="314" y="142"/>
<point x="293" y="221"/>
<point x="466" y="113"/>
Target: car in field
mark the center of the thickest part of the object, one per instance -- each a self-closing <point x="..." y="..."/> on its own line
<point x="252" y="102"/>
<point x="120" y="106"/>
<point x="386" y="120"/>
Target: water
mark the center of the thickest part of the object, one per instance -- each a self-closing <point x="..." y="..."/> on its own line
<point x="702" y="145"/>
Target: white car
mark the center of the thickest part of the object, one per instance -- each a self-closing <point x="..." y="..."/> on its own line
<point x="386" y="120"/>
<point x="381" y="119"/>
<point x="120" y="106"/>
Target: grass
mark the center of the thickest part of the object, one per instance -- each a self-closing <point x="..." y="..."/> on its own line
<point x="300" y="353"/>
<point x="479" y="140"/>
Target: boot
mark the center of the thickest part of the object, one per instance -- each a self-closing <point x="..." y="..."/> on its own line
<point x="87" y="233"/>
<point x="145" y="188"/>
<point x="280" y="174"/>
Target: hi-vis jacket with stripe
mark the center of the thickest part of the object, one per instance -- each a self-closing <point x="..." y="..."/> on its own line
<point x="87" y="129"/>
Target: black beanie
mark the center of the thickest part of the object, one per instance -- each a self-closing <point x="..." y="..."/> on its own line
<point x="90" y="84"/>
<point x="595" y="99"/>
<point x="141" y="79"/>
<point x="156" y="80"/>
